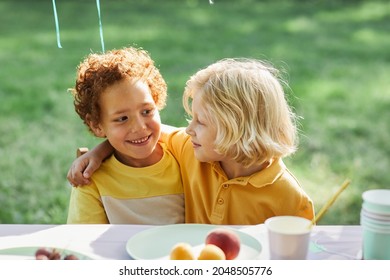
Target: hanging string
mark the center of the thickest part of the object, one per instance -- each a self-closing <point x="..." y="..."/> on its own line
<point x="100" y="24"/>
<point x="57" y="25"/>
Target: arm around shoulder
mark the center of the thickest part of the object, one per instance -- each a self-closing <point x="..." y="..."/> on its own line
<point x="84" y="166"/>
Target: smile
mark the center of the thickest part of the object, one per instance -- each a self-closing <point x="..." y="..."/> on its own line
<point x="140" y="141"/>
<point x="195" y="145"/>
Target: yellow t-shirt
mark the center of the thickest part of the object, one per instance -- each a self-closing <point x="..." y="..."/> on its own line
<point x="120" y="194"/>
<point x="213" y="199"/>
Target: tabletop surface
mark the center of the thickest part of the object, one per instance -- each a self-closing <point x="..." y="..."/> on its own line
<point x="109" y="241"/>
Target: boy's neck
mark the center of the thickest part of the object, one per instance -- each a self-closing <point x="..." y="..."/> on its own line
<point x="233" y="169"/>
<point x="152" y="159"/>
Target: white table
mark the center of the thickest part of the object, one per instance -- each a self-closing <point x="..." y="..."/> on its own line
<point x="109" y="241"/>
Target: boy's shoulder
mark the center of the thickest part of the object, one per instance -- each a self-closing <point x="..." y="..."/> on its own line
<point x="171" y="133"/>
<point x="107" y="165"/>
<point x="177" y="141"/>
<point x="167" y="129"/>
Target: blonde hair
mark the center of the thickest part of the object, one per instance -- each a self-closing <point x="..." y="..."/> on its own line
<point x="246" y="102"/>
<point x="99" y="71"/>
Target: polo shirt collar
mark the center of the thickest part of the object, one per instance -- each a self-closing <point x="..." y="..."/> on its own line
<point x="260" y="179"/>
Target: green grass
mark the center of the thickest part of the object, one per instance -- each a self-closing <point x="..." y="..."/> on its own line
<point x="335" y="53"/>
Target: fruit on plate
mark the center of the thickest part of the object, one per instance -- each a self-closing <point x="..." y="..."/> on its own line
<point x="182" y="251"/>
<point x="52" y="254"/>
<point x="71" y="257"/>
<point x="42" y="254"/>
<point x="211" y="252"/>
<point x="225" y="239"/>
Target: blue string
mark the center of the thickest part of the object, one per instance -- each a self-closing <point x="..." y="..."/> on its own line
<point x="57" y="25"/>
<point x="100" y="24"/>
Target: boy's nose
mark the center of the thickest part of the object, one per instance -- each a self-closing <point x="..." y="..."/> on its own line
<point x="137" y="125"/>
<point x="189" y="130"/>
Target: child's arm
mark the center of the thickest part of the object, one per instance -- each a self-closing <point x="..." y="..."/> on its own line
<point x="83" y="167"/>
<point x="166" y="130"/>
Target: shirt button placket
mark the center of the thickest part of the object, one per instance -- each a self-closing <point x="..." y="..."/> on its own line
<point x="220" y="207"/>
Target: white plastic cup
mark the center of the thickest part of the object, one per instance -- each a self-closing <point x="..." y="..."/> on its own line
<point x="288" y="237"/>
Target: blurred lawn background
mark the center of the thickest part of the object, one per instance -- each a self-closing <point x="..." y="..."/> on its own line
<point x="335" y="53"/>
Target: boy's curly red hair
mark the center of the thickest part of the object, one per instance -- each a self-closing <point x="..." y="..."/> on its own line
<point x="99" y="71"/>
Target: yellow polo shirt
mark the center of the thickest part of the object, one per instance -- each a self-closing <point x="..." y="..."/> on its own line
<point x="213" y="199"/>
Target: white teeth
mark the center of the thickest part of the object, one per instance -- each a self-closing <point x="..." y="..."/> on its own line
<point x="139" y="141"/>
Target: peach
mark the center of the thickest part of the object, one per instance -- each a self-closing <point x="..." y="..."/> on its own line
<point x="182" y="251"/>
<point x="211" y="252"/>
<point x="225" y="239"/>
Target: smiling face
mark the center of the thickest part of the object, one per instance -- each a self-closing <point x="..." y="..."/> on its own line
<point x="202" y="132"/>
<point x="131" y="122"/>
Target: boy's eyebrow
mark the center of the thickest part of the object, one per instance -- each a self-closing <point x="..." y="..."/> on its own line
<point x="121" y="111"/>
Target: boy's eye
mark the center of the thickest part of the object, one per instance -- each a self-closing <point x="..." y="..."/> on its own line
<point x="121" y="119"/>
<point x="199" y="122"/>
<point x="195" y="121"/>
<point x="147" y="112"/>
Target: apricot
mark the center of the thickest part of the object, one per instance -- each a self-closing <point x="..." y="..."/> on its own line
<point x="225" y="239"/>
<point x="211" y="252"/>
<point x="182" y="251"/>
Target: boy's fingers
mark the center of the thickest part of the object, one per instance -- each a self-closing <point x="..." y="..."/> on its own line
<point x="91" y="167"/>
<point x="86" y="175"/>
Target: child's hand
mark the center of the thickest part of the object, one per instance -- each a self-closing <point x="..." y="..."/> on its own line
<point x="82" y="169"/>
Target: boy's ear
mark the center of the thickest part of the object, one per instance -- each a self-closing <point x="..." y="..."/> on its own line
<point x="96" y="128"/>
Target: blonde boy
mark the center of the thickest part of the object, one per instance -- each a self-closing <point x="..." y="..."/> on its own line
<point x="241" y="128"/>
